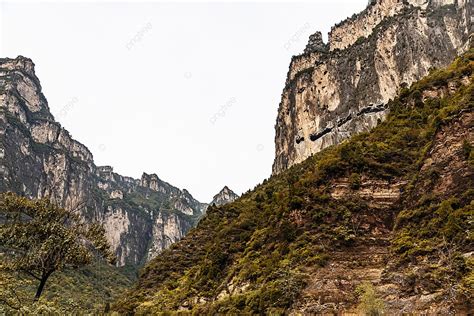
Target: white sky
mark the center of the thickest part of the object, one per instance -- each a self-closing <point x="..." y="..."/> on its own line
<point x="150" y="104"/>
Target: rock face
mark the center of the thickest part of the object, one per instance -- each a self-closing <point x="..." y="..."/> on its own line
<point x="316" y="44"/>
<point x="225" y="196"/>
<point x="328" y="288"/>
<point x="336" y="90"/>
<point x="380" y="224"/>
<point x="39" y="158"/>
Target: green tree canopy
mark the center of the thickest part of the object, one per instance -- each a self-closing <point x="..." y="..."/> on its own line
<point x="37" y="238"/>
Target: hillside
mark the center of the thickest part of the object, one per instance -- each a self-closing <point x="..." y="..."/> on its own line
<point x="89" y="289"/>
<point x="382" y="221"/>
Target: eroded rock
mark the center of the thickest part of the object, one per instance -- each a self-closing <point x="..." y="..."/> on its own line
<point x="333" y="94"/>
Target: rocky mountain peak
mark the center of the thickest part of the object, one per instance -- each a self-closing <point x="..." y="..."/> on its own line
<point x="225" y="196"/>
<point x="20" y="63"/>
<point x="316" y="44"/>
<point x="38" y="158"/>
<point x="328" y="97"/>
<point x="150" y="181"/>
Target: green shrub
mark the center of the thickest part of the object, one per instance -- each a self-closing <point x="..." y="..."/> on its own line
<point x="354" y="181"/>
<point x="369" y="303"/>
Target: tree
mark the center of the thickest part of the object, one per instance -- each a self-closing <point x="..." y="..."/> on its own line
<point x="38" y="238"/>
<point x="12" y="290"/>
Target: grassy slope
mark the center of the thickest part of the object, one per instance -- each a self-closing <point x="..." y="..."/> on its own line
<point x="263" y="242"/>
<point x="86" y="290"/>
<point x="89" y="289"/>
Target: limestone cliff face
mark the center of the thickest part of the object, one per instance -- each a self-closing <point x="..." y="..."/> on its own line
<point x="338" y="89"/>
<point x="39" y="158"/>
<point x="225" y="196"/>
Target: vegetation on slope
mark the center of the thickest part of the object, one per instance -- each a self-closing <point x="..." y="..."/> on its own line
<point x="260" y="247"/>
<point x="38" y="239"/>
<point x="89" y="289"/>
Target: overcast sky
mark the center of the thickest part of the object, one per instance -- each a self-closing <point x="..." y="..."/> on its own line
<point x="188" y="91"/>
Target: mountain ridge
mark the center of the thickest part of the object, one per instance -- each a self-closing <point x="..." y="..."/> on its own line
<point x="224" y="196"/>
<point x="381" y="218"/>
<point x="40" y="158"/>
<point x="341" y="88"/>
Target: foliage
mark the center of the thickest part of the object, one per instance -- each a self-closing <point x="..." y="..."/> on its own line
<point x="39" y="238"/>
<point x="240" y="254"/>
<point x="354" y="181"/>
<point x="12" y="290"/>
<point x="437" y="233"/>
<point x="468" y="152"/>
<point x="89" y="289"/>
<point x="426" y="228"/>
<point x="369" y="304"/>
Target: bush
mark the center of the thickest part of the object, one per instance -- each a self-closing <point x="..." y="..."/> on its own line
<point x="354" y="181"/>
<point x="369" y="304"/>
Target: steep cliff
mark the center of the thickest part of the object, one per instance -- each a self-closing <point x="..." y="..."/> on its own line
<point x="40" y="158"/>
<point x="380" y="224"/>
<point x="336" y="90"/>
<point x="225" y="196"/>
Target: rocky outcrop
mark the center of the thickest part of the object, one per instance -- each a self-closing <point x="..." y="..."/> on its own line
<point x="39" y="159"/>
<point x="336" y="90"/>
<point x="315" y="44"/>
<point x="379" y="224"/>
<point x="377" y="193"/>
<point x="332" y="288"/>
<point x="225" y="196"/>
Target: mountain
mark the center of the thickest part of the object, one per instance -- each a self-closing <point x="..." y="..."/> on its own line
<point x="39" y="158"/>
<point x="342" y="88"/>
<point x="381" y="223"/>
<point x="225" y="196"/>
